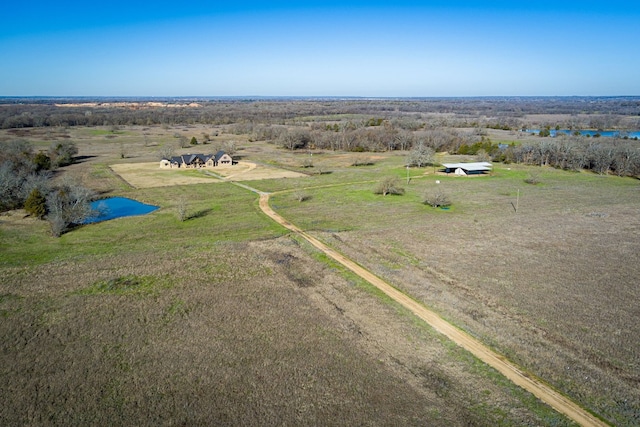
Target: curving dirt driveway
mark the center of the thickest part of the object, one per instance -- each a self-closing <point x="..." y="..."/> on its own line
<point x="518" y="376"/>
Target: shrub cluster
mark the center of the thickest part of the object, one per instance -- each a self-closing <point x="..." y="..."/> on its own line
<point x="389" y="185"/>
<point x="26" y="182"/>
<point x="436" y="199"/>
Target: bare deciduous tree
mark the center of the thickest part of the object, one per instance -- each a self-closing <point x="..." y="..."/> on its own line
<point x="301" y="196"/>
<point x="389" y="185"/>
<point x="436" y="199"/>
<point x="420" y="155"/>
<point x="294" y="139"/>
<point x="601" y="158"/>
<point x="230" y="147"/>
<point x="67" y="205"/>
<point x="404" y="140"/>
<point x="626" y="160"/>
<point x="166" y="152"/>
<point x="182" y="208"/>
<point x="482" y="156"/>
<point x="19" y="174"/>
<point x="183" y="141"/>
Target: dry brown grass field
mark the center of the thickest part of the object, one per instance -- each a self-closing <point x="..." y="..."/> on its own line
<point x="553" y="287"/>
<point x="227" y="320"/>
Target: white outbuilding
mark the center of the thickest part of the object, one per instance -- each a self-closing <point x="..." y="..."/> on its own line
<point x="468" y="168"/>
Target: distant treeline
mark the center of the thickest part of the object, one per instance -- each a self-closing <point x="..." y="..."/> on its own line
<point x="454" y="125"/>
<point x="601" y="155"/>
<point x="499" y="113"/>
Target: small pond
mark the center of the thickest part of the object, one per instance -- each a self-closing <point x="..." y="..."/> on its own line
<point x="118" y="207"/>
<point x="591" y="133"/>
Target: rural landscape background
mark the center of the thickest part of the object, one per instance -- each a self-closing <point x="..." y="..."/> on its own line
<point x="334" y="273"/>
<point x="207" y="312"/>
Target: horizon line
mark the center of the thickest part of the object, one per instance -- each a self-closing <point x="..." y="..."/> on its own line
<point x="293" y="97"/>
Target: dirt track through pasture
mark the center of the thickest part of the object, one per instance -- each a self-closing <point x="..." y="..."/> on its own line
<point x="515" y="374"/>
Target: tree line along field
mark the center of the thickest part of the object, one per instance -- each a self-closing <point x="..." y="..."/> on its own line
<point x="173" y="312"/>
<point x="457" y="126"/>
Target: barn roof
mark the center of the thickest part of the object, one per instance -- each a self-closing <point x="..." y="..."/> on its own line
<point x="469" y="166"/>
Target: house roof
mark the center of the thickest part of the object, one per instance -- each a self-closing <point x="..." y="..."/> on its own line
<point x="469" y="166"/>
<point x="190" y="158"/>
<point x="218" y="155"/>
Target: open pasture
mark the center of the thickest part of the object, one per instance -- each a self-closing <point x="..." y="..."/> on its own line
<point x="223" y="307"/>
<point x="553" y="286"/>
<point x="219" y="320"/>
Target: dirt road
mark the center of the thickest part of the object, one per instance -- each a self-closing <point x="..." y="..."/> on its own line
<point x="539" y="389"/>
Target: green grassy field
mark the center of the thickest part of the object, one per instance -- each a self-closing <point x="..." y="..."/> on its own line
<point x="220" y="213"/>
<point x="226" y="319"/>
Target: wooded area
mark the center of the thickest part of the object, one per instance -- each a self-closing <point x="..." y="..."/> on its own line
<point x="500" y="112"/>
<point x="454" y="125"/>
<point x="420" y="127"/>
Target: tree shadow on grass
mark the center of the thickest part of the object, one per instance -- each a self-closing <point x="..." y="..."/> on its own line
<point x="199" y="214"/>
<point x="82" y="159"/>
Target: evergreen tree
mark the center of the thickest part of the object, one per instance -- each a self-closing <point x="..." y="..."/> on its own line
<point x="36" y="204"/>
<point x="42" y="161"/>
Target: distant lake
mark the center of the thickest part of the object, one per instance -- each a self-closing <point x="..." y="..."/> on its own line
<point x="603" y="133"/>
<point x="118" y="207"/>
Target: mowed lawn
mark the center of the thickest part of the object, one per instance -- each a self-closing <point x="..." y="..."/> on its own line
<point x="553" y="286"/>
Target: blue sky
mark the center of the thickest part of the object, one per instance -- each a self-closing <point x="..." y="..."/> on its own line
<point x="313" y="48"/>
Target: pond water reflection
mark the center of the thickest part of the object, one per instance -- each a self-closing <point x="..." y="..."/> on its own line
<point x="591" y="133"/>
<point x="118" y="207"/>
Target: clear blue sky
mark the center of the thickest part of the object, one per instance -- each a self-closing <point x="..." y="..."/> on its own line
<point x="329" y="48"/>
